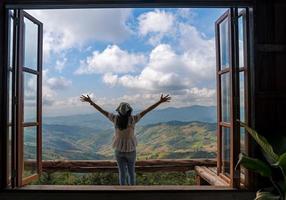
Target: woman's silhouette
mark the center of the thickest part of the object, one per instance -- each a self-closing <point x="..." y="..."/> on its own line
<point x="124" y="140"/>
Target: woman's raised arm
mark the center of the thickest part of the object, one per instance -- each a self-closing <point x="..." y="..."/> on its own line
<point x="163" y="99"/>
<point x="97" y="107"/>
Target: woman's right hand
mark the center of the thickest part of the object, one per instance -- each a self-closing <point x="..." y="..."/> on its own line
<point x="166" y="98"/>
<point x="85" y="98"/>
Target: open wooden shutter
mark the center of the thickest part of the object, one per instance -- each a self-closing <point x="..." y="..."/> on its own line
<point x="29" y="98"/>
<point x="227" y="96"/>
<point x="243" y="64"/>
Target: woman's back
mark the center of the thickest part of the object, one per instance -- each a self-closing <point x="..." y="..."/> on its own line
<point x="124" y="140"/>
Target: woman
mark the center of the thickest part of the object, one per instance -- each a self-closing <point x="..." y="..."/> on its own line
<point x="124" y="140"/>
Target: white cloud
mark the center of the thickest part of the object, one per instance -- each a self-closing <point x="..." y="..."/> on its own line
<point x="191" y="62"/>
<point x="139" y="101"/>
<point x="187" y="70"/>
<point x="167" y="70"/>
<point x="110" y="79"/>
<point x="61" y="64"/>
<point x="58" y="83"/>
<point x="156" y="24"/>
<point x="185" y="13"/>
<point x="199" y="52"/>
<point x="164" y="71"/>
<point x="112" y="59"/>
<point x="155" y="21"/>
<point x="73" y="105"/>
<point x="48" y="93"/>
<point x="70" y="28"/>
<point x="51" y="85"/>
<point x="197" y="96"/>
<point x="182" y="64"/>
<point x="187" y="97"/>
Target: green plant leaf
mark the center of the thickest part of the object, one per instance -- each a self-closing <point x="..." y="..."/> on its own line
<point x="255" y="165"/>
<point x="281" y="162"/>
<point x="271" y="156"/>
<point x="261" y="195"/>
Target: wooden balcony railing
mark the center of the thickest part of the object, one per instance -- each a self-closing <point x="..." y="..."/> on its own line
<point x="87" y="166"/>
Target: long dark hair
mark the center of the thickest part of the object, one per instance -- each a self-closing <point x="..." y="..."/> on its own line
<point x="122" y="120"/>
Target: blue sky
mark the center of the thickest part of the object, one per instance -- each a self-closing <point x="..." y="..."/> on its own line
<point x="128" y="55"/>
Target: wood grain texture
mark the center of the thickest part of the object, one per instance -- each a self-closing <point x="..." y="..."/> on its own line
<point x="163" y="165"/>
<point x="210" y="176"/>
<point x="44" y="4"/>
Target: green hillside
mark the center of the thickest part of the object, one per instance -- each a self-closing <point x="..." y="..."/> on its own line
<point x="174" y="140"/>
<point x="163" y="140"/>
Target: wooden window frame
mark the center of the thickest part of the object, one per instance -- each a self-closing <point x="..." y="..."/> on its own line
<point x="219" y="73"/>
<point x="95" y="4"/>
<point x="10" y="102"/>
<point x="234" y="178"/>
<point x="233" y="15"/>
<point x="20" y="124"/>
<point x="246" y="66"/>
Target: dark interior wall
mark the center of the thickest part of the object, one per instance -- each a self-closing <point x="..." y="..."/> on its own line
<point x="2" y="95"/>
<point x="269" y="94"/>
<point x="270" y="71"/>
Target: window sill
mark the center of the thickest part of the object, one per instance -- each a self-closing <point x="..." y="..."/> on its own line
<point x="116" y="192"/>
<point x="124" y="188"/>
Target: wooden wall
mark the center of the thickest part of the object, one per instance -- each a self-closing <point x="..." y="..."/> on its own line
<point x="3" y="89"/>
<point x="270" y="71"/>
<point x="269" y="97"/>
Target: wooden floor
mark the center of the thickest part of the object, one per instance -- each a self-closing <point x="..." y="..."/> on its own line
<point x="92" y="192"/>
<point x="122" y="188"/>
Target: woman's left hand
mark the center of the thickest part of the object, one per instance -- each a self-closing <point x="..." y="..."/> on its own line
<point x="85" y="98"/>
<point x="166" y="98"/>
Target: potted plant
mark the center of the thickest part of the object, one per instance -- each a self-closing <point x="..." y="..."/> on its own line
<point x="266" y="168"/>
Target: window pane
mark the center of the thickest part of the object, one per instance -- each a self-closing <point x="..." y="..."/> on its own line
<point x="30" y="151"/>
<point x="11" y="30"/>
<point x="241" y="41"/>
<point x="242" y="96"/>
<point x="10" y="97"/>
<point x="242" y="150"/>
<point x="30" y="44"/>
<point x="224" y="44"/>
<point x="242" y="140"/>
<point x="225" y="97"/>
<point x="9" y="153"/>
<point x="225" y="150"/>
<point x="30" y="97"/>
<point x="242" y="111"/>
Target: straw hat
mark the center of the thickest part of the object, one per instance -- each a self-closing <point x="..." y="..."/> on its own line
<point x="124" y="108"/>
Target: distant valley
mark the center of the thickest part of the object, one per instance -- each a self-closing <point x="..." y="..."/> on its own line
<point x="168" y="133"/>
<point x="184" y="114"/>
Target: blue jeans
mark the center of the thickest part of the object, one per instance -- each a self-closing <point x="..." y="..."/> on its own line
<point x="126" y="166"/>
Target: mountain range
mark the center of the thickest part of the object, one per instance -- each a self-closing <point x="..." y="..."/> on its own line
<point x="188" y="132"/>
<point x="183" y="114"/>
